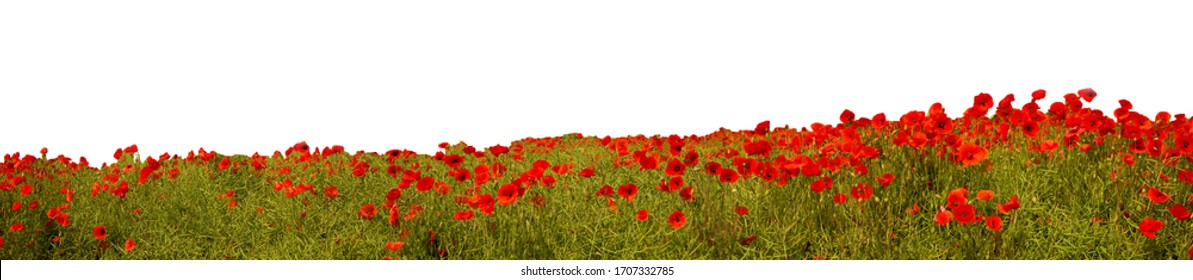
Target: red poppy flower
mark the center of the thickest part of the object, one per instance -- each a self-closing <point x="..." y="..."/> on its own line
<point x="100" y="232"/>
<point x="1088" y="94"/>
<point x="741" y="210"/>
<point x="958" y="197"/>
<point x="762" y="127"/>
<point x="1179" y="212"/>
<point x="394" y="194"/>
<point x="1129" y="159"/>
<point x="847" y="116"/>
<point x="605" y="191"/>
<point x="1038" y="94"/>
<point x="367" y="212"/>
<point x="129" y="245"/>
<point x="1031" y="129"/>
<point x="675" y="168"/>
<point x="674" y="184"/>
<point x="914" y="209"/>
<point x="944" y="217"/>
<point x="970" y="154"/>
<point x="394" y="246"/>
<point x="728" y="175"/>
<point x="1150" y="226"/>
<point x="985" y="195"/>
<point x="748" y="240"/>
<point x="862" y="192"/>
<point x="886" y="179"/>
<point x="818" y="186"/>
<point x="840" y="198"/>
<point x="1156" y="195"/>
<point x="612" y="204"/>
<point x="331" y="192"/>
<point x="677" y="219"/>
<point x="16" y="226"/>
<point x="232" y="204"/>
<point x="26" y="189"/>
<point x="965" y="214"/>
<point x="425" y="184"/>
<point x="648" y="163"/>
<point x="1049" y="145"/>
<point x="394" y="215"/>
<point x="464" y="215"/>
<point x="994" y="223"/>
<point x="587" y="172"/>
<point x="507" y="194"/>
<point x="63" y="219"/>
<point x="453" y="161"/>
<point x="1010" y="205"/>
<point x="225" y="163"/>
<point x="16" y="205"/>
<point x="628" y="191"/>
<point x="642" y="215"/>
<point x="686" y="194"/>
<point x="712" y="168"/>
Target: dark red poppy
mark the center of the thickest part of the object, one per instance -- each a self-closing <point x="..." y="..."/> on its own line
<point x="100" y="232"/>
<point x="1149" y="227"/>
<point x="741" y="210"/>
<point x="728" y="175"/>
<point x="394" y="214"/>
<point x="1179" y="212"/>
<point x="748" y="240"/>
<point x="628" y="191"/>
<point x="642" y="215"/>
<point x="453" y="161"/>
<point x="712" y="168"/>
<point x="675" y="168"/>
<point x="1157" y="196"/>
<point x="677" y="219"/>
<point x="1031" y="129"/>
<point x="129" y="245"/>
<point x="762" y="127"/>
<point x="847" y="116"/>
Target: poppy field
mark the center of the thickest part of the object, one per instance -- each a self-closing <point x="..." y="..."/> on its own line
<point x="998" y="180"/>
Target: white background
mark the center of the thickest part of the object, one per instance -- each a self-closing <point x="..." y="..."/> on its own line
<point x="86" y="77"/>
